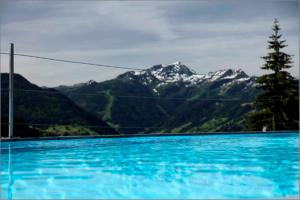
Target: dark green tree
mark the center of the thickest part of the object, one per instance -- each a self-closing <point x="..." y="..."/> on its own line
<point x="277" y="107"/>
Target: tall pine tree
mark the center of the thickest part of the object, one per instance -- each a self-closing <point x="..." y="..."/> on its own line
<point x="277" y="107"/>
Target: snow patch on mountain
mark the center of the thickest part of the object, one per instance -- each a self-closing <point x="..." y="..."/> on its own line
<point x="164" y="74"/>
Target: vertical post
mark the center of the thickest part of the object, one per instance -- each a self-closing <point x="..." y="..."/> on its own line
<point x="11" y="92"/>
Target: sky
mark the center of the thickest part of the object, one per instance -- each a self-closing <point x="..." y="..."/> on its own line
<point x="205" y="35"/>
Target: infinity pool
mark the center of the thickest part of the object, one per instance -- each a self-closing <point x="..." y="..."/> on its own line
<point x="218" y="166"/>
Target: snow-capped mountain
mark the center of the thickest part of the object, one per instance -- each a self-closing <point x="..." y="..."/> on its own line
<point x="170" y="95"/>
<point x="164" y="74"/>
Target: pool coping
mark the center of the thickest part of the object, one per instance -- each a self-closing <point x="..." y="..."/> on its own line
<point x="141" y="135"/>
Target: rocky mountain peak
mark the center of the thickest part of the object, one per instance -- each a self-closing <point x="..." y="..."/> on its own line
<point x="170" y="72"/>
<point x="225" y="74"/>
<point x="176" y="72"/>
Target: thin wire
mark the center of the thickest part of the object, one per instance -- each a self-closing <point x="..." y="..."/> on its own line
<point x="110" y="66"/>
<point x="133" y="96"/>
<point x="47" y="124"/>
<point x="141" y="97"/>
<point x="54" y="92"/>
<point x="75" y="62"/>
<point x="107" y="127"/>
<point x="126" y="96"/>
<point x="122" y="96"/>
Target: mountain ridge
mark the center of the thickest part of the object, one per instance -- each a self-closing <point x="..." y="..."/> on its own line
<point x="47" y="108"/>
<point x="163" y="74"/>
<point x="124" y="103"/>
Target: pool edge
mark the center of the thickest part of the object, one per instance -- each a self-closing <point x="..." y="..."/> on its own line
<point x="142" y="135"/>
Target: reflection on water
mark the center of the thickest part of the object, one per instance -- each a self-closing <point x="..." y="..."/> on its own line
<point x="229" y="166"/>
<point x="10" y="172"/>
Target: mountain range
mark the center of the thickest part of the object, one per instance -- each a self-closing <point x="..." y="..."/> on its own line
<point x="168" y="98"/>
<point x="47" y="110"/>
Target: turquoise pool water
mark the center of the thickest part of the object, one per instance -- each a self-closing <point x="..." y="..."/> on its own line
<point x="219" y="166"/>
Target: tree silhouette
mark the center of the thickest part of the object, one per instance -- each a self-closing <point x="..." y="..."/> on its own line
<point x="277" y="107"/>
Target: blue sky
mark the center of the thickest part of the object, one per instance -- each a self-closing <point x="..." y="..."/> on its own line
<point x="205" y="35"/>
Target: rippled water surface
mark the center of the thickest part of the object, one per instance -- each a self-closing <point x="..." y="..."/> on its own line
<point x="219" y="166"/>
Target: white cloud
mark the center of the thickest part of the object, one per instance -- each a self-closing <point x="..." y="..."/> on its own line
<point x="139" y="17"/>
<point x="137" y="34"/>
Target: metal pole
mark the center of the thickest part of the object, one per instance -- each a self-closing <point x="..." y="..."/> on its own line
<point x="11" y="92"/>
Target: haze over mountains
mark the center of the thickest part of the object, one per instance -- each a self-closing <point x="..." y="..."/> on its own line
<point x="164" y="98"/>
